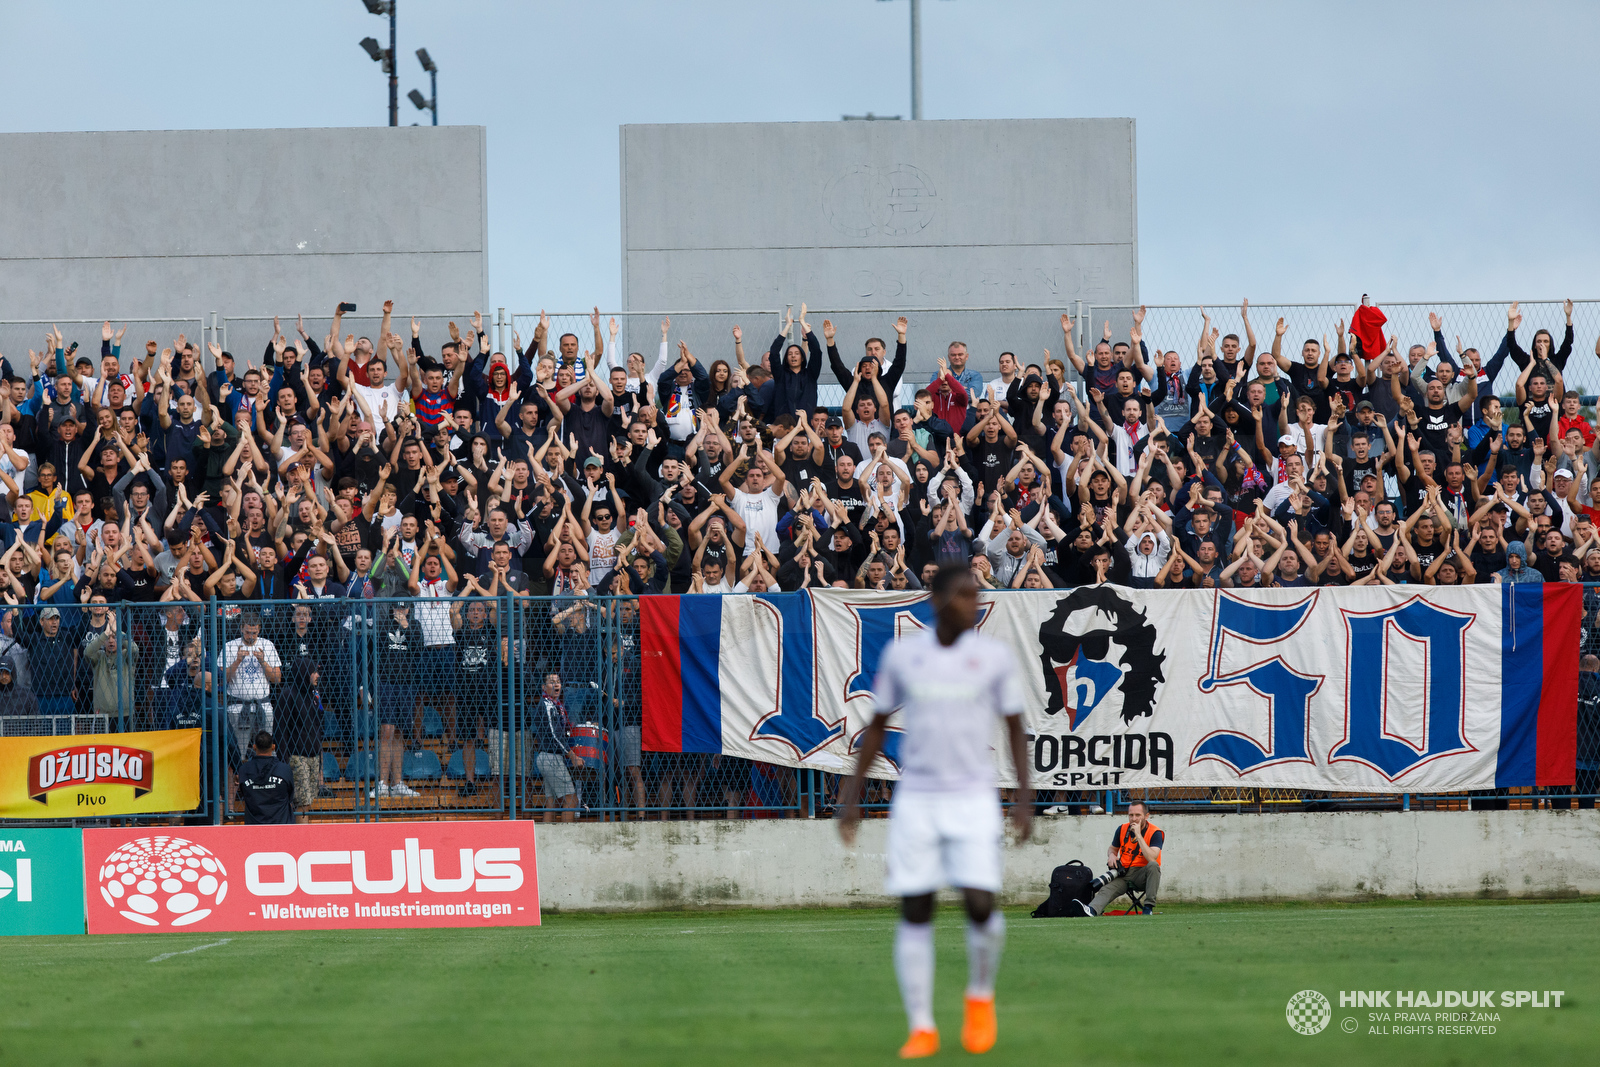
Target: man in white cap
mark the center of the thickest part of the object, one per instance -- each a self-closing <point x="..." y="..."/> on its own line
<point x="1563" y="487"/>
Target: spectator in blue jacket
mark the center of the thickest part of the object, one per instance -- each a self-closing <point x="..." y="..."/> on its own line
<point x="1517" y="570"/>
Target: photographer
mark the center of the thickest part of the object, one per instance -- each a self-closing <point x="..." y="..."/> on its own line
<point x="1134" y="859"/>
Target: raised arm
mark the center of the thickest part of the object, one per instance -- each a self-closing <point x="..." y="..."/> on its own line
<point x="1076" y="360"/>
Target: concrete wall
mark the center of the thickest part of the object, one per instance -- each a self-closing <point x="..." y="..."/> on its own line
<point x="800" y="863"/>
<point x="164" y="224"/>
<point x="882" y="215"/>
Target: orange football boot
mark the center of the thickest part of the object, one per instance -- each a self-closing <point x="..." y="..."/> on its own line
<point x="979" y="1029"/>
<point x="921" y="1043"/>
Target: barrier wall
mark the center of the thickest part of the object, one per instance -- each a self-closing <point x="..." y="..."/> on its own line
<point x="1289" y="856"/>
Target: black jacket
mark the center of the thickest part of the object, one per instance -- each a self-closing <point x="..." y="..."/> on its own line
<point x="793" y="390"/>
<point x="298" y="712"/>
<point x="267" y="785"/>
<point x="889" y="375"/>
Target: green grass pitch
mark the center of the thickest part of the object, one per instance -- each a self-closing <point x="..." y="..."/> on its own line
<point x="1191" y="985"/>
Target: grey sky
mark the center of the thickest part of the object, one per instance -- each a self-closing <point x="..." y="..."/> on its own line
<point x="1286" y="151"/>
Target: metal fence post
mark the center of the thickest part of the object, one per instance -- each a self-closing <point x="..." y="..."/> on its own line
<point x="510" y="703"/>
<point x="216" y="712"/>
<point x="362" y="731"/>
<point x="511" y="712"/>
<point x="372" y="729"/>
<point x="511" y="732"/>
<point x="212" y="738"/>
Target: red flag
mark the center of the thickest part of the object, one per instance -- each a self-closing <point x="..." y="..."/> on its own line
<point x="1367" y="325"/>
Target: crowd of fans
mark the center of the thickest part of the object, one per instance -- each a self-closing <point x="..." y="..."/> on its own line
<point x="342" y="467"/>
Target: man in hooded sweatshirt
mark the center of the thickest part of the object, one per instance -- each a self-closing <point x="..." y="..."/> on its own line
<point x="299" y="711"/>
<point x="15" y="699"/>
<point x="1517" y="569"/>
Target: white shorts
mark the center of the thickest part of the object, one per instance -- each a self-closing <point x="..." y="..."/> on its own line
<point x="943" y="839"/>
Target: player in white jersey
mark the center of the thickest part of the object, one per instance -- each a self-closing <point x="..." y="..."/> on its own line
<point x="950" y="685"/>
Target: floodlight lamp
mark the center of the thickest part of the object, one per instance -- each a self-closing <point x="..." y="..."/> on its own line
<point x="417" y="99"/>
<point x="372" y="49"/>
<point x="426" y="61"/>
<point x="377" y="7"/>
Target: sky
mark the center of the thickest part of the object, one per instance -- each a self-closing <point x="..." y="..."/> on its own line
<point x="1286" y="151"/>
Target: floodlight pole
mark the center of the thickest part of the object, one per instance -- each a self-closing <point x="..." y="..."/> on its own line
<point x="394" y="69"/>
<point x="433" y="93"/>
<point x="916" y="59"/>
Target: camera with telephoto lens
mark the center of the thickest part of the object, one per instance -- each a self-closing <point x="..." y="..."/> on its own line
<point x="1112" y="872"/>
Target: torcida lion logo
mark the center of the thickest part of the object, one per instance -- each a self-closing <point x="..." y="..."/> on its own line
<point x="1098" y="649"/>
<point x="163" y="881"/>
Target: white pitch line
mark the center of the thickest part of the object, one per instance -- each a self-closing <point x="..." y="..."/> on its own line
<point x="185" y="952"/>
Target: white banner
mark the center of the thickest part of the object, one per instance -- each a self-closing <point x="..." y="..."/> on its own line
<point x="1371" y="690"/>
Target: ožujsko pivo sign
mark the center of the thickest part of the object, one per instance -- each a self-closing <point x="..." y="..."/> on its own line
<point x="41" y="881"/>
<point x="318" y="877"/>
<point x="99" y="774"/>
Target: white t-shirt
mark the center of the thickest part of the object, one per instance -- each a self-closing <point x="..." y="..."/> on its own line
<point x="99" y="389"/>
<point x="170" y="648"/>
<point x="602" y="554"/>
<point x="861" y="431"/>
<point x="1309" y="450"/>
<point x="384" y="401"/>
<point x="435" y="618"/>
<point x="1124" y="445"/>
<point x="11" y="468"/>
<point x="251" y="681"/>
<point x="949" y="699"/>
<point x="760" y="515"/>
<point x="999" y="385"/>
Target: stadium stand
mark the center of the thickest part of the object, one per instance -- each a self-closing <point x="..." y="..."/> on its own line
<point x="392" y="549"/>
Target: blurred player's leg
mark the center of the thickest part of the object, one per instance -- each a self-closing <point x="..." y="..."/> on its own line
<point x="913" y="966"/>
<point x="986" y="936"/>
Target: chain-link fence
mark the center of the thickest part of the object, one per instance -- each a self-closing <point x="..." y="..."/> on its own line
<point x="1175" y="327"/>
<point x="987" y="332"/>
<point x="1026" y="332"/>
<point x="247" y="337"/>
<point x="19" y="337"/>
<point x="1029" y="333"/>
<point x="476" y="707"/>
<point x="98" y="667"/>
<point x="709" y="334"/>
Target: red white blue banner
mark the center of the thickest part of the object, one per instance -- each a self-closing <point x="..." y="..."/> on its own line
<point x="1392" y="689"/>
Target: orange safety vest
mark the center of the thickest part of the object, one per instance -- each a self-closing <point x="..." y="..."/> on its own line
<point x="1128" y="854"/>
